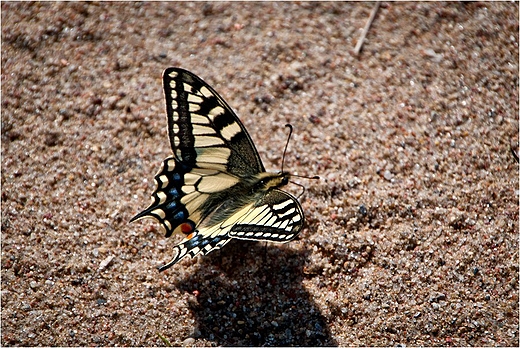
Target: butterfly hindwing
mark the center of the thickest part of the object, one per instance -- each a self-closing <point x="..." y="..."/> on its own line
<point x="198" y="243"/>
<point x="166" y="206"/>
<point x="277" y="217"/>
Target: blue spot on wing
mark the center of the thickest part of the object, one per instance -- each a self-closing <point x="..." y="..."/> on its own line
<point x="177" y="178"/>
<point x="173" y="192"/>
<point x="180" y="216"/>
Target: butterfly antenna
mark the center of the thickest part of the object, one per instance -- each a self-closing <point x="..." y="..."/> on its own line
<point x="303" y="188"/>
<point x="283" y="161"/>
<point x="287" y="143"/>
<point x="304" y="177"/>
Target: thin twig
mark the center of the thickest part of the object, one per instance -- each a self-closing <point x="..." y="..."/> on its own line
<point x="365" y="30"/>
<point x="515" y="154"/>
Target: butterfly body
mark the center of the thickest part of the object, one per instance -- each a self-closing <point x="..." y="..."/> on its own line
<point x="215" y="187"/>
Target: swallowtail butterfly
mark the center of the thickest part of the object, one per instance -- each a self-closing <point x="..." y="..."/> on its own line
<point x="214" y="187"/>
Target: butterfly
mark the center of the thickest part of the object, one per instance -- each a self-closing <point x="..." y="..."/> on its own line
<point x="215" y="188"/>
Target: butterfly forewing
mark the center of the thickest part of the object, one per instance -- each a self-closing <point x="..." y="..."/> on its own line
<point x="212" y="188"/>
<point x="203" y="129"/>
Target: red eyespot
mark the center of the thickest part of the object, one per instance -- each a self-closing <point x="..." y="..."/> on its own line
<point x="187" y="227"/>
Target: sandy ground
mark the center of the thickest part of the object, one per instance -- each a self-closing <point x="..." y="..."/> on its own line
<point x="412" y="232"/>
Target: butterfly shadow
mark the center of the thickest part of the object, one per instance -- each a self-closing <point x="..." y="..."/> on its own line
<point x="252" y="294"/>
